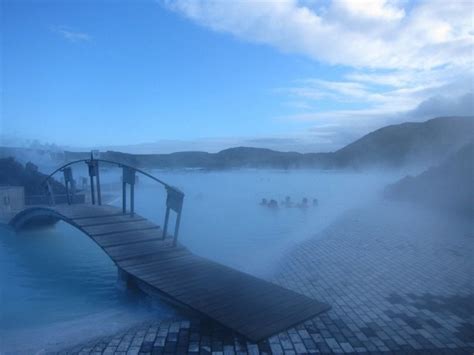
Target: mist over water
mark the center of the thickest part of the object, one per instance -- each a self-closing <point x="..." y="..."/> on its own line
<point x="58" y="276"/>
<point x="224" y="221"/>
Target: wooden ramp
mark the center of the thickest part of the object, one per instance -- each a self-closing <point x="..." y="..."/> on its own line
<point x="252" y="307"/>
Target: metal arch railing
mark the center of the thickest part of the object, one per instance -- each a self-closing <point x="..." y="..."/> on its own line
<point x="174" y="196"/>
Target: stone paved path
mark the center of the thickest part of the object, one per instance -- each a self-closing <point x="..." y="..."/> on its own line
<point x="400" y="283"/>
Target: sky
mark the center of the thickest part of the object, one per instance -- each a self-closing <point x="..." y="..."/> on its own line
<point x="161" y="76"/>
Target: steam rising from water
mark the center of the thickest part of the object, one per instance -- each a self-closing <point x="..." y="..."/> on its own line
<point x="58" y="277"/>
<point x="223" y="220"/>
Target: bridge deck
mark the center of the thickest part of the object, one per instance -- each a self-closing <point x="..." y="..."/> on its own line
<point x="253" y="307"/>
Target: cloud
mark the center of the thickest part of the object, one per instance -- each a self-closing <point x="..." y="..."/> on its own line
<point x="375" y="10"/>
<point x="371" y="34"/>
<point x="389" y="92"/>
<point x="378" y="95"/>
<point x="402" y="60"/>
<point x="344" y="126"/>
<point x="401" y="52"/>
<point x="72" y="36"/>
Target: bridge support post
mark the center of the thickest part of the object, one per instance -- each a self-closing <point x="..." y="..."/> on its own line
<point x="128" y="177"/>
<point x="124" y="197"/>
<point x="124" y="280"/>
<point x="165" y="225"/>
<point x="97" y="181"/>
<point x="69" y="184"/>
<point x="176" y="229"/>
<point x="93" y="166"/>
<point x="50" y="191"/>
<point x="92" y="171"/>
<point x="68" y="199"/>
<point x="174" y="201"/>
<point x="132" y="199"/>
<point x="92" y="191"/>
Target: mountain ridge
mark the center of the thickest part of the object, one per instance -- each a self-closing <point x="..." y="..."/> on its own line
<point x="392" y="146"/>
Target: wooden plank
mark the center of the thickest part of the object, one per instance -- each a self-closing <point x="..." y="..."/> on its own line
<point x="214" y="289"/>
<point x="217" y="277"/>
<point x="130" y="241"/>
<point x="163" y="263"/>
<point x="187" y="273"/>
<point x="270" y="308"/>
<point x="260" y="303"/>
<point x="182" y="289"/>
<point x="169" y="277"/>
<point x="178" y="264"/>
<point x="151" y="274"/>
<point x="120" y="227"/>
<point x="194" y="279"/>
<point x="169" y="262"/>
<point x="115" y="239"/>
<point x="96" y="221"/>
<point x="128" y="251"/>
<point x="191" y="291"/>
<point x="136" y="250"/>
<point x="143" y="259"/>
<point x="236" y="299"/>
<point x="263" y="309"/>
<point x="155" y="259"/>
<point x="205" y="289"/>
<point x="275" y="323"/>
<point x="183" y="270"/>
<point x="208" y="292"/>
<point x="271" y="322"/>
<point x="202" y="281"/>
<point x="86" y="211"/>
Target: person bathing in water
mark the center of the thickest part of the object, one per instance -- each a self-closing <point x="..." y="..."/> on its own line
<point x="287" y="202"/>
<point x="273" y="204"/>
<point x="304" y="203"/>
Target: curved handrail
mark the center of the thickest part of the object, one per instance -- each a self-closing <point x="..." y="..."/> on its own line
<point x="120" y="165"/>
<point x="174" y="198"/>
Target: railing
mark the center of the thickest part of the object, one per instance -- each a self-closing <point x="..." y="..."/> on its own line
<point x="174" y="196"/>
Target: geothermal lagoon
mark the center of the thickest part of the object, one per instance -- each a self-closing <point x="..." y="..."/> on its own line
<point x="66" y="281"/>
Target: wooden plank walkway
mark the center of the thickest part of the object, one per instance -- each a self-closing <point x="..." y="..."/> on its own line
<point x="251" y="306"/>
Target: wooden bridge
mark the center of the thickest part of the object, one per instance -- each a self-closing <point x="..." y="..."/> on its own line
<point x="146" y="255"/>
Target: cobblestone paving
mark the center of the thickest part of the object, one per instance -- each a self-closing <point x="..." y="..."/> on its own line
<point x="398" y="284"/>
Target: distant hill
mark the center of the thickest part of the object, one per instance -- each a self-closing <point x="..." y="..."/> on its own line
<point x="447" y="186"/>
<point x="408" y="143"/>
<point x="239" y="157"/>
<point x="392" y="146"/>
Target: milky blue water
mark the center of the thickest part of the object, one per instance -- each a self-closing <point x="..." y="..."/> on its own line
<point x="223" y="220"/>
<point x="57" y="285"/>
